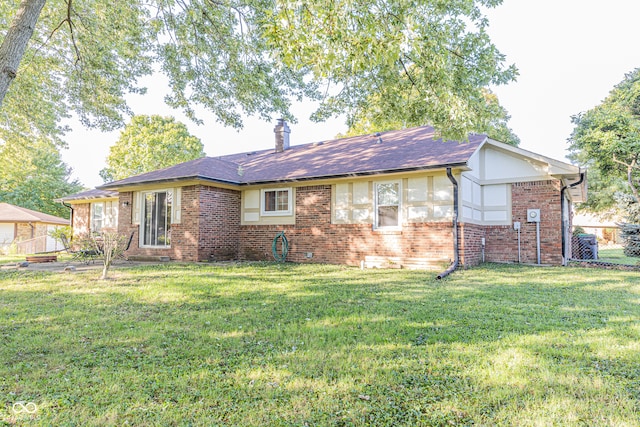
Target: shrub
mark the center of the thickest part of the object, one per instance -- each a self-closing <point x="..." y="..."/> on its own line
<point x="630" y="234"/>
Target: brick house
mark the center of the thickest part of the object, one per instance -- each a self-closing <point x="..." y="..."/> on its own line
<point x="27" y="231"/>
<point x="383" y="199"/>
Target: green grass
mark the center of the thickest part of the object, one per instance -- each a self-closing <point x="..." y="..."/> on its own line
<point x="313" y="345"/>
<point x="11" y="259"/>
<point x="617" y="256"/>
<point x="15" y="258"/>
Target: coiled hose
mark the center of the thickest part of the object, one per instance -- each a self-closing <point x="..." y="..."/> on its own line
<point x="280" y="257"/>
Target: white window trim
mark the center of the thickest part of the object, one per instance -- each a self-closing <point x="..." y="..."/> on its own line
<point x="92" y="210"/>
<point x="141" y="196"/>
<point x="288" y="212"/>
<point x="108" y="217"/>
<point x="375" y="206"/>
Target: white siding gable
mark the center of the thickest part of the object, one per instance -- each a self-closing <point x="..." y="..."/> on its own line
<point x="506" y="167"/>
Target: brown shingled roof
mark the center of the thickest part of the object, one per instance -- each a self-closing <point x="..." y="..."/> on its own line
<point x="401" y="150"/>
<point x="89" y="194"/>
<point x="12" y="213"/>
<point x="209" y="168"/>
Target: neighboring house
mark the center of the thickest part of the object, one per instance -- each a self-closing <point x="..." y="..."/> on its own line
<point x="27" y="231"/>
<point x="383" y="197"/>
<point x="604" y="227"/>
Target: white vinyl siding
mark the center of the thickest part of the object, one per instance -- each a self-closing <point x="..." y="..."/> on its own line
<point x="7" y="234"/>
<point x="390" y="204"/>
<point x="485" y="204"/>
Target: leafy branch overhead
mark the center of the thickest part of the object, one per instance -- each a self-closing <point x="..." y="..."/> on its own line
<point x="607" y="139"/>
<point x="414" y="62"/>
<point x="428" y="60"/>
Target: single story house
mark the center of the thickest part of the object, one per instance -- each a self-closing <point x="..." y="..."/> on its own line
<point x="27" y="231"/>
<point x="396" y="197"/>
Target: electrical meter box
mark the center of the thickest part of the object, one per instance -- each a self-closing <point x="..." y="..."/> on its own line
<point x="533" y="215"/>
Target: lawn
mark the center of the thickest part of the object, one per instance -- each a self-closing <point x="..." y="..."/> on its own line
<point x="313" y="345"/>
<point x="616" y="256"/>
<point x="16" y="258"/>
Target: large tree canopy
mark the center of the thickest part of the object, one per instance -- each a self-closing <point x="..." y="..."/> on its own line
<point x="607" y="140"/>
<point x="149" y="143"/>
<point x="374" y="120"/>
<point x="33" y="175"/>
<point x="429" y="60"/>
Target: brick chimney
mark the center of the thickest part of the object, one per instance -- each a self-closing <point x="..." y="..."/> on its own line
<point x="282" y="132"/>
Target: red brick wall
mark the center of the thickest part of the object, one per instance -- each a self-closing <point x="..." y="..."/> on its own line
<point x="348" y="244"/>
<point x="210" y="229"/>
<point x="340" y="243"/>
<point x="30" y="237"/>
<point x="502" y="241"/>
<point x="210" y="220"/>
<point x="24" y="231"/>
<point x="219" y="223"/>
<point x="81" y="218"/>
<point x="470" y="243"/>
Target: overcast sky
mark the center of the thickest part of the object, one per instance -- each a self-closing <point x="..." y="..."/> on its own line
<point x="570" y="54"/>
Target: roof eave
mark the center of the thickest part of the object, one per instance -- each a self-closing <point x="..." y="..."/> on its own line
<point x="64" y="199"/>
<point x="460" y="165"/>
<point x="118" y="187"/>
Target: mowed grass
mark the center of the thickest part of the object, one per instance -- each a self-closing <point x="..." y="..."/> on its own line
<point x="616" y="256"/>
<point x="314" y="345"/>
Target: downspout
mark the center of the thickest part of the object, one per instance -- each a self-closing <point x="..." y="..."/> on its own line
<point x="68" y="207"/>
<point x="562" y="225"/>
<point x="70" y="216"/>
<point x="456" y="256"/>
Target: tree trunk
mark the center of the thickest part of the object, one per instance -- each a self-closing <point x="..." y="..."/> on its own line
<point x="16" y="40"/>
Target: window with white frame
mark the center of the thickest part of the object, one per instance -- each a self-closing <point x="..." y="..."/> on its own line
<point x="276" y="201"/>
<point x="156" y="218"/>
<point x="387" y="209"/>
<point x="104" y="215"/>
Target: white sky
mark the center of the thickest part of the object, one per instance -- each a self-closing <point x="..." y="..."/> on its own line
<point x="570" y="54"/>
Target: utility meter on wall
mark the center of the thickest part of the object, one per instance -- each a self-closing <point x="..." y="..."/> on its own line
<point x="533" y="215"/>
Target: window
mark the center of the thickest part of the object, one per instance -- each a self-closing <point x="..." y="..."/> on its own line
<point x="104" y="215"/>
<point x="97" y="216"/>
<point x="387" y="205"/>
<point x="276" y="202"/>
<point x="156" y="218"/>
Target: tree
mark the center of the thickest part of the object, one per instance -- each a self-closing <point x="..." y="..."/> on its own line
<point x="112" y="246"/>
<point x="149" y="143"/>
<point x="251" y="57"/>
<point x="607" y="140"/>
<point x="33" y="175"/>
<point x="375" y="120"/>
<point x="423" y="62"/>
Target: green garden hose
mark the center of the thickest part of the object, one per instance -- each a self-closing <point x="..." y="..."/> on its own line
<point x="280" y="257"/>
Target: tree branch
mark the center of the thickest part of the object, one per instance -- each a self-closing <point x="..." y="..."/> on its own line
<point x="73" y="38"/>
<point x="15" y="42"/>
<point x="630" y="167"/>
